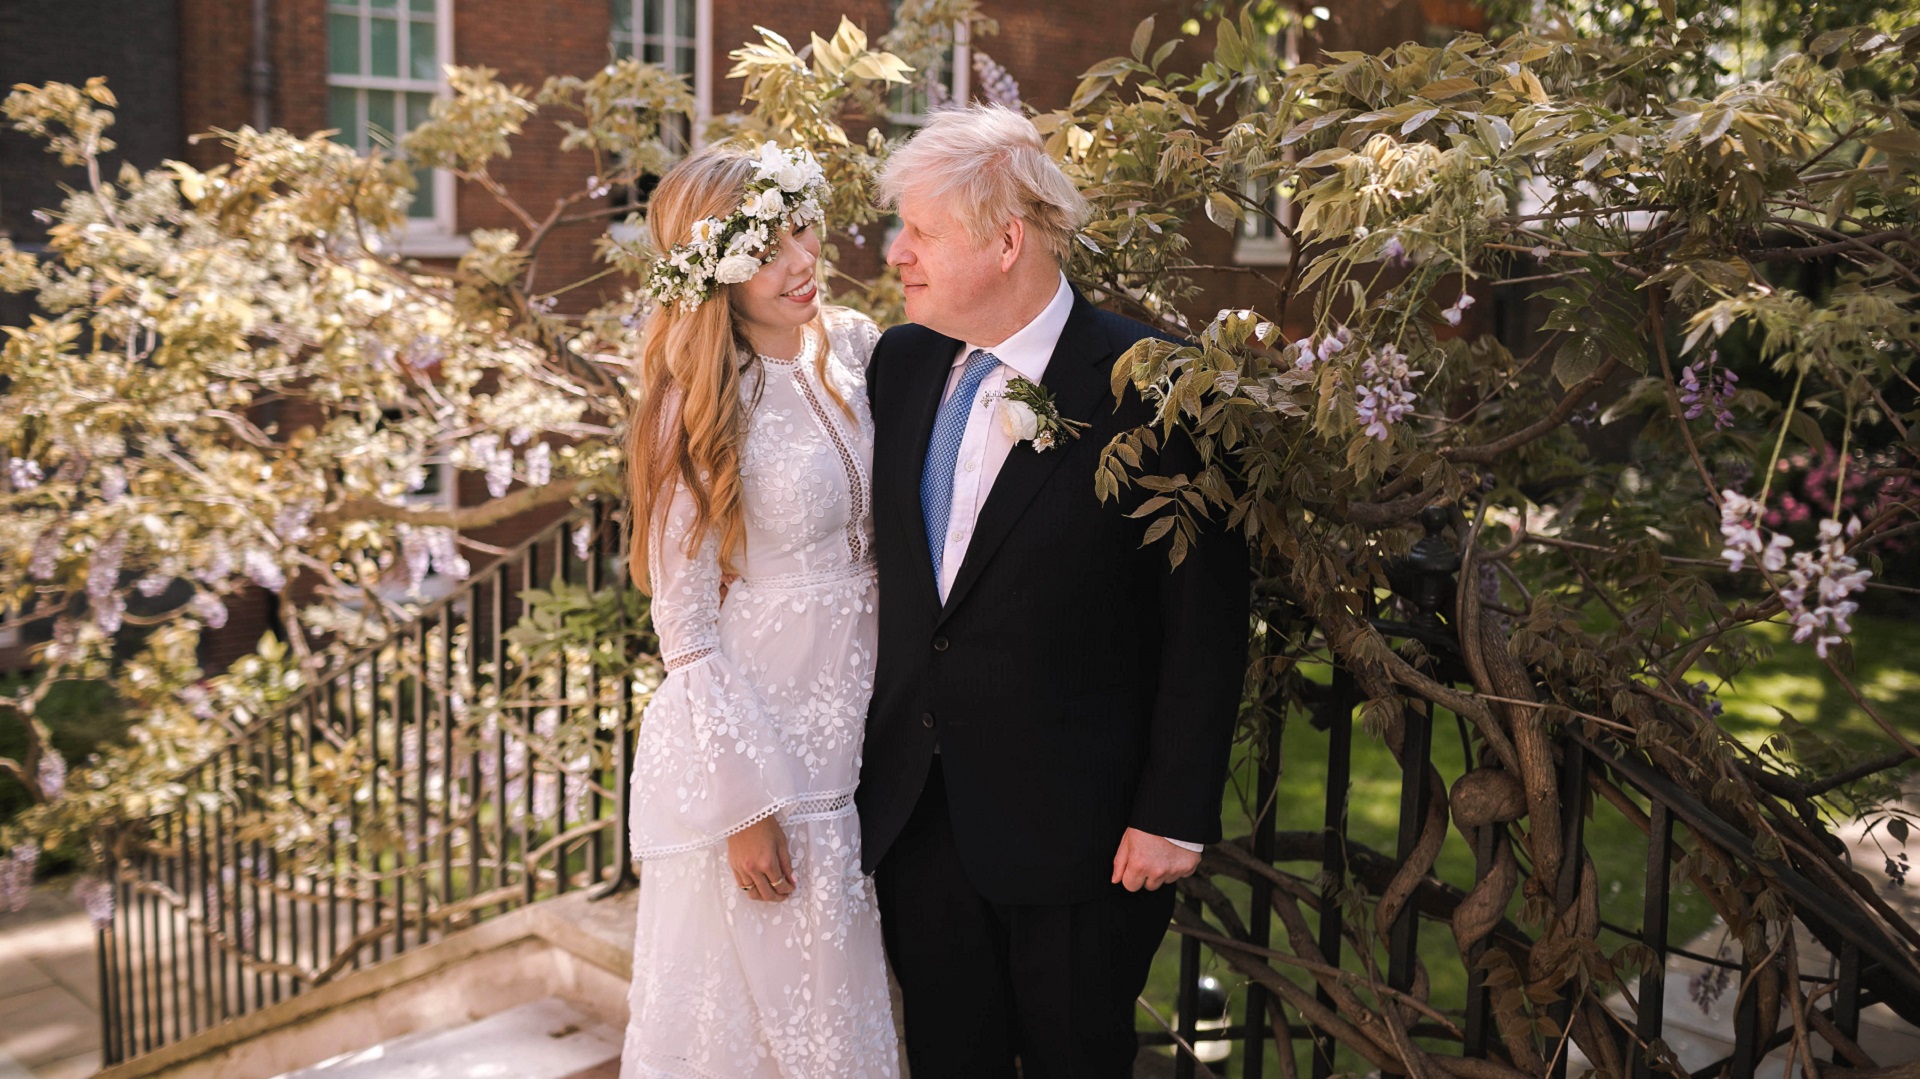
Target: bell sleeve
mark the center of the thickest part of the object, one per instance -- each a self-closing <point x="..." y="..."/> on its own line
<point x="709" y="759"/>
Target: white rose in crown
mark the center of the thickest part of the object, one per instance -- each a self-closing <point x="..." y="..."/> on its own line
<point x="1018" y="420"/>
<point x="792" y="176"/>
<point x="736" y="268"/>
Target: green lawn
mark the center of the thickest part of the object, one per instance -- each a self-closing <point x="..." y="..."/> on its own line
<point x="1887" y="668"/>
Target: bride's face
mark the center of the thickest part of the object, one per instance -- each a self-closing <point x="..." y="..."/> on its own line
<point x="774" y="304"/>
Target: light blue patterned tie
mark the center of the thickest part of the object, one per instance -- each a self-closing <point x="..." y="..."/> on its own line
<point x="943" y="449"/>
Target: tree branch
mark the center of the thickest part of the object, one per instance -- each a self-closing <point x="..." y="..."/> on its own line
<point x="480" y="516"/>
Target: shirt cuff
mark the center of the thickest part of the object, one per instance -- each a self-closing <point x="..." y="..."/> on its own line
<point x="1184" y="845"/>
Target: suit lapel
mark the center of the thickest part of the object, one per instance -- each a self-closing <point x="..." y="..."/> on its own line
<point x="1078" y="378"/>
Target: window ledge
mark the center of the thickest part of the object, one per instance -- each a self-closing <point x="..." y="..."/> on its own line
<point x="1261" y="252"/>
<point x="431" y="245"/>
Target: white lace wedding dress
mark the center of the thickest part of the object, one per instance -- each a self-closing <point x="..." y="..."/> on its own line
<point x="762" y="712"/>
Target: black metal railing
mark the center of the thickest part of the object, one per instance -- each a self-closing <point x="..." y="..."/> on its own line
<point x="1866" y="965"/>
<point x="500" y="800"/>
<point x="473" y="784"/>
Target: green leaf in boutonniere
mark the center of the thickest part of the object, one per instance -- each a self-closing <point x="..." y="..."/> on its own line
<point x="1028" y="414"/>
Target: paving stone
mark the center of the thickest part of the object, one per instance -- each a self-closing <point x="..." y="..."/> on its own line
<point x="47" y="1025"/>
<point x="545" y="1039"/>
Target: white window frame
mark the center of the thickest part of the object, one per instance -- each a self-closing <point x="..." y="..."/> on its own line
<point x="959" y="77"/>
<point x="422" y="237"/>
<point x="1254" y="245"/>
<point x="672" y="39"/>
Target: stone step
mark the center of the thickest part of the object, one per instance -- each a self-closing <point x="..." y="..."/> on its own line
<point x="544" y="1039"/>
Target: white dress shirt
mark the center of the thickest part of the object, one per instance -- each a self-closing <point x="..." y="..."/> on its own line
<point x="985" y="444"/>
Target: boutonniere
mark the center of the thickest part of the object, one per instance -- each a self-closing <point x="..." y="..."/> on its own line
<point x="1028" y="414"/>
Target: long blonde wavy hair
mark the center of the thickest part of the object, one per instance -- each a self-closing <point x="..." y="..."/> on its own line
<point x="690" y="421"/>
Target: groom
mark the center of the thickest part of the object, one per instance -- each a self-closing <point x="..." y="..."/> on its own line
<point x="1052" y="706"/>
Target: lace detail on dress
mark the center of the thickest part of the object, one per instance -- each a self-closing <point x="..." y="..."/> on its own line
<point x="857" y="481"/>
<point x="762" y="712"/>
<point x="678" y="660"/>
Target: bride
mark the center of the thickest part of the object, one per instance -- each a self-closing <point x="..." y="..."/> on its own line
<point x="757" y="952"/>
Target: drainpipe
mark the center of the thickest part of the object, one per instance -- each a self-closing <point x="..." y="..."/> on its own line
<point x="260" y="73"/>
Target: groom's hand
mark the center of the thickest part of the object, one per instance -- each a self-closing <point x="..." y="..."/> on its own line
<point x="1148" y="861"/>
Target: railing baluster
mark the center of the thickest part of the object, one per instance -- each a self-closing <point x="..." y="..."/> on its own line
<point x="1653" y="934"/>
<point x="443" y="711"/>
<point x="173" y="846"/>
<point x="423" y="768"/>
<point x="1573" y="799"/>
<point x="1187" y="1014"/>
<point x="1253" y="1059"/>
<point x="1846" y="996"/>
<point x="529" y="873"/>
<point x="110" y="1053"/>
<point x="1416" y="751"/>
<point x="1486" y="848"/>
<point x="1333" y="859"/>
<point x="1746" y="1020"/>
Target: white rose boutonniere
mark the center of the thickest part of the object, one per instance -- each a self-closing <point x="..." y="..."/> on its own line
<point x="736" y="268"/>
<point x="1018" y="420"/>
<point x="1028" y="414"/>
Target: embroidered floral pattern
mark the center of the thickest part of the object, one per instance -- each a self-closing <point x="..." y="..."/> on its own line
<point x="762" y="713"/>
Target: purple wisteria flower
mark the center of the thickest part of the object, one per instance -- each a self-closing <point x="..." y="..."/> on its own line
<point x="495" y="460"/>
<point x="1385" y="394"/>
<point x="103" y="577"/>
<point x="1715" y="393"/>
<point x="46" y="555"/>
<point x="1452" y="315"/>
<point x="24" y="474"/>
<point x="1742" y="538"/>
<point x="16" y="877"/>
<point x="207" y="608"/>
<point x="539" y="465"/>
<point x="1830" y="574"/>
<point x="1311" y="351"/>
<point x="1701" y="695"/>
<point x="996" y="86"/>
<point x="263" y="569"/>
<point x="53" y="775"/>
<point x="96" y="897"/>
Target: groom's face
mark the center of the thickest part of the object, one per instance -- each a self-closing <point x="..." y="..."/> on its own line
<point x="949" y="279"/>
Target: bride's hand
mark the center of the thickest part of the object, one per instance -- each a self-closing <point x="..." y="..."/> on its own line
<point x="760" y="863"/>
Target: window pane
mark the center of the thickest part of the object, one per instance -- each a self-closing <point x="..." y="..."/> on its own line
<point x="422" y="194"/>
<point x="343" y="44"/>
<point x="379" y="119"/>
<point x="343" y="112"/>
<point x="651" y="54"/>
<point x="683" y="60"/>
<point x="622" y="48"/>
<point x="683" y="19"/>
<point x="382" y="5"/>
<point x="623" y="16"/>
<point x="424" y="7"/>
<point x="424" y="60"/>
<point x="384" y="47"/>
<point x="419" y="109"/>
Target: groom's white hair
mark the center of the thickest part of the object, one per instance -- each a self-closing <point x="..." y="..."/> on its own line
<point x="988" y="164"/>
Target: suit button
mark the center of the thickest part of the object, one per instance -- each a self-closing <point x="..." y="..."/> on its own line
<point x="939" y="644"/>
<point x="926" y="720"/>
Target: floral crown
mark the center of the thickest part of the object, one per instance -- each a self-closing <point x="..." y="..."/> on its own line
<point x="787" y="185"/>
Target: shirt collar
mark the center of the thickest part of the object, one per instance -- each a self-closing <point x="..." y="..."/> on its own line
<point x="1031" y="347"/>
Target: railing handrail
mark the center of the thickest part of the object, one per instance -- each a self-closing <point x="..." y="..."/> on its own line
<point x="311" y="686"/>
